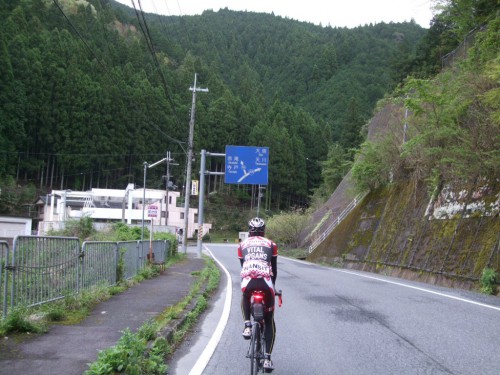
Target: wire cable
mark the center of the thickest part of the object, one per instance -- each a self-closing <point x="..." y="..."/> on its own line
<point x="106" y="70"/>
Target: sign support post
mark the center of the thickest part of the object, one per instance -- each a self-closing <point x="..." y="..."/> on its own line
<point x="152" y="213"/>
<point x="204" y="153"/>
<point x="249" y="164"/>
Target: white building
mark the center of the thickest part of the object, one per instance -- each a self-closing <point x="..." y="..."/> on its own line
<point x="106" y="206"/>
<point x="11" y="227"/>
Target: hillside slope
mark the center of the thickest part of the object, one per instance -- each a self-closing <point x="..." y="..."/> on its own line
<point x="390" y="233"/>
<point x="388" y="119"/>
<point x="432" y="213"/>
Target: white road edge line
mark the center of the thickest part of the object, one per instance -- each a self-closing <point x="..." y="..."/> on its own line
<point x="404" y="285"/>
<point x="202" y="361"/>
<point x="422" y="289"/>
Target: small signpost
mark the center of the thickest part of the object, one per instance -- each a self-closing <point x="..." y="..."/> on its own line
<point x="153" y="214"/>
<point x="152" y="211"/>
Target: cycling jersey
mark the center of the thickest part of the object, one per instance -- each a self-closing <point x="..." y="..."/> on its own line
<point x="258" y="260"/>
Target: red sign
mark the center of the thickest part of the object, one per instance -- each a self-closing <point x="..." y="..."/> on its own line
<point x="152" y="210"/>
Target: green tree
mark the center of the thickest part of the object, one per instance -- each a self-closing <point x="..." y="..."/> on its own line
<point x="370" y="169"/>
<point x="335" y="167"/>
<point x="12" y="112"/>
<point x="286" y="227"/>
<point x="350" y="136"/>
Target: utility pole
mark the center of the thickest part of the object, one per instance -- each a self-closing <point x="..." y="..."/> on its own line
<point x="145" y="164"/>
<point x="167" y="177"/>
<point x="194" y="89"/>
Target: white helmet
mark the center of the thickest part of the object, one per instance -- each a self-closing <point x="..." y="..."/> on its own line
<point x="256" y="227"/>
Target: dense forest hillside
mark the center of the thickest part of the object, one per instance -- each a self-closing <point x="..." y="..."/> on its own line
<point x="320" y="69"/>
<point x="92" y="89"/>
<point x="428" y="172"/>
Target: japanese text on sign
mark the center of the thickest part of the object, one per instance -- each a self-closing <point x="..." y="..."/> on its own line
<point x="247" y="165"/>
<point x="152" y="210"/>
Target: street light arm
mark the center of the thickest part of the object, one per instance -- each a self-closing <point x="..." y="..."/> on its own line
<point x="158" y="162"/>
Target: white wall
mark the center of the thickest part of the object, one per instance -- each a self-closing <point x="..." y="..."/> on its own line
<point x="10" y="227"/>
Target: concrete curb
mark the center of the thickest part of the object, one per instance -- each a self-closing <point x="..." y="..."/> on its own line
<point x="176" y="324"/>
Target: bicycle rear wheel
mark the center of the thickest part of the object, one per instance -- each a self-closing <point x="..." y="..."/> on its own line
<point x="256" y="355"/>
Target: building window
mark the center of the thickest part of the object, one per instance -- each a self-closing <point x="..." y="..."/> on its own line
<point x="182" y="215"/>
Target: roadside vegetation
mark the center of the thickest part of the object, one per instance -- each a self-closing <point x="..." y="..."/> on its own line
<point x="489" y="281"/>
<point x="73" y="308"/>
<point x="453" y="126"/>
<point x="147" y="350"/>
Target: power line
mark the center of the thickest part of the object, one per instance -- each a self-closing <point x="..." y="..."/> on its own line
<point x="106" y="70"/>
<point x="149" y="42"/>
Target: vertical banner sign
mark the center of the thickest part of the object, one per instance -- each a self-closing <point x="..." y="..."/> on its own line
<point x="247" y="165"/>
<point x="194" y="187"/>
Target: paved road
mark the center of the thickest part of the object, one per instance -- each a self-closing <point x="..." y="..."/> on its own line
<point x="348" y="322"/>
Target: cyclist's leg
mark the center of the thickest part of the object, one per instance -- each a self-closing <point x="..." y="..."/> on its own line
<point x="270" y="331"/>
<point x="269" y="317"/>
<point x="270" y="336"/>
<point x="250" y="286"/>
<point x="270" y="327"/>
<point x="245" y="309"/>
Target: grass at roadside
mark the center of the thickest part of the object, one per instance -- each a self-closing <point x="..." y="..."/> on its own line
<point x="294" y="253"/>
<point x="73" y="308"/>
<point x="145" y="351"/>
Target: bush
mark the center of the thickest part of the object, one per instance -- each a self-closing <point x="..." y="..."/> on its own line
<point x="285" y="228"/>
<point x="128" y="357"/>
<point x="83" y="229"/>
<point x="372" y="166"/>
<point x="489" y="279"/>
<point x="122" y="232"/>
<point x="18" y="321"/>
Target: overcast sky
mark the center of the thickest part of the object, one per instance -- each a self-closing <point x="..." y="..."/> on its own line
<point x="341" y="13"/>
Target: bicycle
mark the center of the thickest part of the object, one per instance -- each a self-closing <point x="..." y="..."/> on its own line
<point x="257" y="347"/>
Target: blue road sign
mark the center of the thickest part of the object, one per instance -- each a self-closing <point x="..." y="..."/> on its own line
<point x="246" y="165"/>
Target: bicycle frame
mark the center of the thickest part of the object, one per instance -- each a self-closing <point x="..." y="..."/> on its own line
<point x="257" y="347"/>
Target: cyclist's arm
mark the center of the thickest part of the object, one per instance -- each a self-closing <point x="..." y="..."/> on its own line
<point x="274" y="262"/>
<point x="240" y="256"/>
<point x="274" y="266"/>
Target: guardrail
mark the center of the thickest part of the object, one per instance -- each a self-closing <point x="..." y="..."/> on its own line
<point x="336" y="221"/>
<point x="42" y="269"/>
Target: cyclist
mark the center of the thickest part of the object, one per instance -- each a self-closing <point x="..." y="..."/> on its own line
<point x="258" y="258"/>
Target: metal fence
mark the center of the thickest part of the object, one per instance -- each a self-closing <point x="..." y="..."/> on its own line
<point x="460" y="53"/>
<point x="4" y="255"/>
<point x="99" y="263"/>
<point x="42" y="269"/>
<point x="334" y="222"/>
